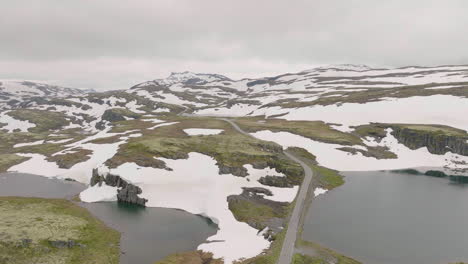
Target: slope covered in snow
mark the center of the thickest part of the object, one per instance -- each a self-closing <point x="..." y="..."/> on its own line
<point x="68" y="132"/>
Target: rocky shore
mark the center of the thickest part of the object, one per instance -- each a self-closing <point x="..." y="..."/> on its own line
<point x="128" y="193"/>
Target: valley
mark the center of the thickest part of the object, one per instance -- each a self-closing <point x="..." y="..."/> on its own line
<point x="239" y="152"/>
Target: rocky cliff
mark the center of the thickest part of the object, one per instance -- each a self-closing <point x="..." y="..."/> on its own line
<point x="437" y="142"/>
<point x="128" y="193"/>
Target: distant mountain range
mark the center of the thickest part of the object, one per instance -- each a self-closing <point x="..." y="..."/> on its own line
<point x="214" y="94"/>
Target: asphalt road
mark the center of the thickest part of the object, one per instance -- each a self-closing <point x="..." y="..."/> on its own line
<point x="287" y="250"/>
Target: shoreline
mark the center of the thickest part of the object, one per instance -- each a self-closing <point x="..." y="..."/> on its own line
<point x="73" y="198"/>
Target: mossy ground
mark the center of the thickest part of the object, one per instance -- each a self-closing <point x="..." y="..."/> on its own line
<point x="367" y="95"/>
<point x="434" y="129"/>
<point x="44" y="220"/>
<point x="322" y="255"/>
<point x="229" y="148"/>
<point x="271" y="255"/>
<point x="257" y="211"/>
<point x="316" y="130"/>
<point x="9" y="140"/>
<point x="192" y="257"/>
<point x="8" y="160"/>
<point x="67" y="160"/>
<point x="378" y="129"/>
<point x="323" y="177"/>
<point x="304" y="259"/>
<point x="44" y="120"/>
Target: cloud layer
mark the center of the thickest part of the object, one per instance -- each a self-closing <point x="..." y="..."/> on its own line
<point x="113" y="44"/>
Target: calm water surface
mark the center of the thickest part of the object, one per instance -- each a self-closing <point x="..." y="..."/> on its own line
<point x="148" y="234"/>
<point x="392" y="218"/>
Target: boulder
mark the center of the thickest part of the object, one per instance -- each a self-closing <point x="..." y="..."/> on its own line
<point x="275" y="181"/>
<point x="129" y="194"/>
<point x="237" y="171"/>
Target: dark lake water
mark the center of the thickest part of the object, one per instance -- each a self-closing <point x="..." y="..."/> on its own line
<point x="392" y="218"/>
<point x="148" y="234"/>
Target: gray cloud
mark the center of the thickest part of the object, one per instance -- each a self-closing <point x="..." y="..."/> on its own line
<point x="108" y="44"/>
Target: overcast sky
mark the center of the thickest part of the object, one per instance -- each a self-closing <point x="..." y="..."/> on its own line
<point x="114" y="44"/>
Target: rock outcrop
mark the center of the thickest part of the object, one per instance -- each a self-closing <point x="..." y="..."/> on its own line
<point x="268" y="226"/>
<point x="436" y="143"/>
<point x="128" y="193"/>
<point x="118" y="114"/>
<point x="237" y="171"/>
<point x="275" y="181"/>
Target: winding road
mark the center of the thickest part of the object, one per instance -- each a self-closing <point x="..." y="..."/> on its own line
<point x="287" y="250"/>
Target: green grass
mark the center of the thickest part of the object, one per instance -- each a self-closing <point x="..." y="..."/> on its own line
<point x="191" y="257"/>
<point x="434" y="129"/>
<point x="316" y="130"/>
<point x="271" y="255"/>
<point x="378" y="129"/>
<point x="250" y="212"/>
<point x="304" y="259"/>
<point x="328" y="178"/>
<point x="67" y="160"/>
<point x="44" y="220"/>
<point x="370" y="95"/>
<point x="44" y="120"/>
<point x="323" y="177"/>
<point x="8" y="160"/>
<point x="119" y="113"/>
<point x="322" y="255"/>
<point x="229" y="148"/>
<point x="9" y="140"/>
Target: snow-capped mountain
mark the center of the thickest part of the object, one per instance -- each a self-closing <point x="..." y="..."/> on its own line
<point x="348" y="117"/>
<point x="28" y="88"/>
<point x="15" y="91"/>
<point x="297" y="96"/>
<point x="336" y="84"/>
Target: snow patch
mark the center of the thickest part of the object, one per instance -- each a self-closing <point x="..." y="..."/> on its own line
<point x="195" y="185"/>
<point x="19" y="145"/>
<point x="319" y="191"/>
<point x="13" y="124"/>
<point x="104" y="193"/>
<point x="202" y="131"/>
<point x="328" y="155"/>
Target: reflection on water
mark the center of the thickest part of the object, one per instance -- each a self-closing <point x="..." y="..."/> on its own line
<point x="148" y="234"/>
<point x="392" y="218"/>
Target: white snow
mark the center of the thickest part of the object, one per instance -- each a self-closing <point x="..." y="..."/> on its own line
<point x="319" y="191"/>
<point x="163" y="124"/>
<point x="135" y="135"/>
<point x="153" y="120"/>
<point x="195" y="185"/>
<point x="14" y="124"/>
<point x="436" y="109"/>
<point x="17" y="87"/>
<point x="98" y="193"/>
<point x="59" y="141"/>
<point x="28" y="144"/>
<point x="279" y="194"/>
<point x="162" y="110"/>
<point x="81" y="171"/>
<point x="329" y="156"/>
<point x="202" y="131"/>
<point x="134" y="107"/>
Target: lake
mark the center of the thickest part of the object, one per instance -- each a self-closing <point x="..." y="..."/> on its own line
<point x="392" y="218"/>
<point x="148" y="234"/>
